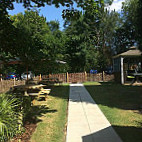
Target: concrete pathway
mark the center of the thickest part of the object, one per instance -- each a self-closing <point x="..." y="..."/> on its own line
<point x="86" y="122"/>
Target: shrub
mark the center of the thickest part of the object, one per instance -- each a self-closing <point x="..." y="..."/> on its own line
<point x="9" y="116"/>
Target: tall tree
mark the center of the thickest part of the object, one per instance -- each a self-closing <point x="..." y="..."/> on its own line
<point x="93" y="33"/>
<point x="32" y="32"/>
<point x="8" y="33"/>
<point x="132" y="11"/>
<point x="40" y="44"/>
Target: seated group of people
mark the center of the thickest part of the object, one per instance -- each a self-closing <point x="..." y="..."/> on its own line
<point x="130" y="73"/>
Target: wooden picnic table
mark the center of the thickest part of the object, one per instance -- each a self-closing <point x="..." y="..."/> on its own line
<point x="50" y="81"/>
<point x="36" y="91"/>
<point x="137" y="77"/>
<point x="29" y="86"/>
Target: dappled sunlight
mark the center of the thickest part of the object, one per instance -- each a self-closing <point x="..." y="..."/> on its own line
<point x="37" y="113"/>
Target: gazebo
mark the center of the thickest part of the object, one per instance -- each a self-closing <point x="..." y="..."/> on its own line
<point x="129" y="61"/>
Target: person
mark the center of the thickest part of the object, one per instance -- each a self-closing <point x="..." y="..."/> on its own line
<point x="135" y="68"/>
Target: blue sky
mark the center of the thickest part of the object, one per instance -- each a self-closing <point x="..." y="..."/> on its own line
<point x="50" y="12"/>
<point x="53" y="13"/>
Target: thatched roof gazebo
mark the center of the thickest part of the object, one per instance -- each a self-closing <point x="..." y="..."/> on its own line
<point x="130" y="60"/>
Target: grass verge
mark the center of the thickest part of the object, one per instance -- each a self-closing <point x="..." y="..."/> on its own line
<point x="53" y="117"/>
<point x="122" y="105"/>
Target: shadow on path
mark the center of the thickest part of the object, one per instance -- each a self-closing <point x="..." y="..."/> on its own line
<point x="103" y="135"/>
<point x="134" y="135"/>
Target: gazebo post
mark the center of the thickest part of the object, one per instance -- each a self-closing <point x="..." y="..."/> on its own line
<point x="122" y="70"/>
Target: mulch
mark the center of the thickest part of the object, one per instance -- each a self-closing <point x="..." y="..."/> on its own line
<point x="25" y="137"/>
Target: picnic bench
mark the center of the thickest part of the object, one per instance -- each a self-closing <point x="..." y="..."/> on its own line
<point x="43" y="93"/>
<point x="50" y="81"/>
<point x="137" y="77"/>
<point x="34" y="91"/>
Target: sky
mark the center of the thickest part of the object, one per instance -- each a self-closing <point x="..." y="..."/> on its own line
<point x="52" y="13"/>
<point x="117" y="4"/>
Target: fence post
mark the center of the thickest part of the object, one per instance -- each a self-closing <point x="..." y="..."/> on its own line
<point x="40" y="78"/>
<point x="85" y="76"/>
<point x="0" y="77"/>
<point x="103" y="75"/>
<point x="67" y="77"/>
<point x="14" y="81"/>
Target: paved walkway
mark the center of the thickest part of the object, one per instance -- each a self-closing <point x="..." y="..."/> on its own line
<point x="86" y="122"/>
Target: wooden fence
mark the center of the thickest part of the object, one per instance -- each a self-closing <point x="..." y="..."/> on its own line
<point x="80" y="77"/>
<point x="61" y="76"/>
<point x="5" y="85"/>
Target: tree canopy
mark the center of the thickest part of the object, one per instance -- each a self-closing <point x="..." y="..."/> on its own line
<point x="91" y="36"/>
<point x="132" y="11"/>
<point x="37" y="43"/>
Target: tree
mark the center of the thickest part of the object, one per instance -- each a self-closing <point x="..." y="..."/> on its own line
<point x="109" y="23"/>
<point x="90" y="29"/>
<point x="75" y="54"/>
<point x="123" y="39"/>
<point x="41" y="43"/>
<point x="9" y="35"/>
<point x="138" y="22"/>
<point x="132" y="11"/>
<point x="92" y="33"/>
<point x="32" y="31"/>
<point x="55" y="48"/>
<point x="80" y="37"/>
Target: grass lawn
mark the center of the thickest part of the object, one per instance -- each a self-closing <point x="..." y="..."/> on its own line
<point x="52" y="117"/>
<point x="122" y="105"/>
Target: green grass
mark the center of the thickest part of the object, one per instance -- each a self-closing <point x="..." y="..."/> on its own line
<point x="52" y="119"/>
<point x="122" y="105"/>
